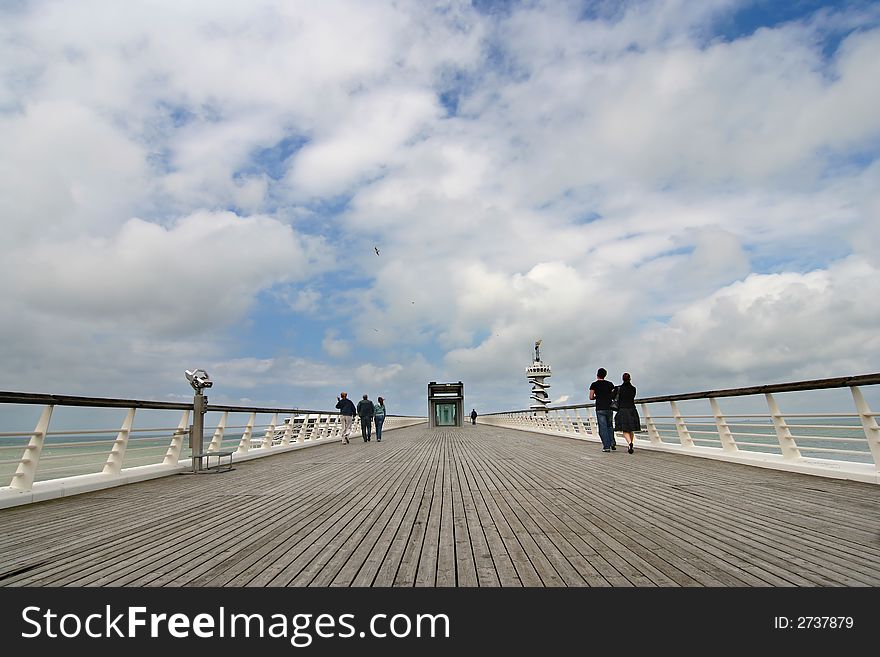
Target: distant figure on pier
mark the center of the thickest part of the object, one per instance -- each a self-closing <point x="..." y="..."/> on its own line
<point x="601" y="391"/>
<point x="379" y="417"/>
<point x="365" y="411"/>
<point x="627" y="420"/>
<point x="346" y="411"/>
<point x="474" y="416"/>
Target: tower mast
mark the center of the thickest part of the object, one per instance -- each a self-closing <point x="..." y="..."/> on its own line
<point x="536" y="375"/>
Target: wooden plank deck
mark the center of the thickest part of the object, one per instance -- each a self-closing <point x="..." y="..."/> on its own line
<point x="476" y="506"/>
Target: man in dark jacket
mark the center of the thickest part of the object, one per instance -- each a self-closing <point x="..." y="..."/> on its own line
<point x="346" y="411"/>
<point x="474" y="416"/>
<point x="601" y="391"/>
<point x="365" y="411"/>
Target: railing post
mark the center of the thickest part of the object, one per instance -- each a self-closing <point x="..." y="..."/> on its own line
<point x="323" y="426"/>
<point x="245" y="443"/>
<point x="869" y="424"/>
<point x="23" y="479"/>
<point x="562" y="419"/>
<point x="217" y="439"/>
<point x="728" y="444"/>
<point x="117" y="451"/>
<point x="580" y="428"/>
<point x="651" y="426"/>
<point x="270" y="431"/>
<point x="288" y="431"/>
<point x="172" y="455"/>
<point x="594" y="425"/>
<point x="684" y="436"/>
<point x="786" y="442"/>
<point x="303" y="427"/>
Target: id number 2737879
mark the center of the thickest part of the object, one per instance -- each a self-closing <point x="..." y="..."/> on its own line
<point x="813" y="623"/>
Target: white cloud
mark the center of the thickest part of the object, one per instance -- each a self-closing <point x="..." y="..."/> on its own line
<point x="768" y="327"/>
<point x="632" y="189"/>
<point x="335" y="347"/>
<point x="202" y="272"/>
<point x="367" y="136"/>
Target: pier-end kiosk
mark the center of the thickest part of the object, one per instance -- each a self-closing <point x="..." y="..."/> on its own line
<point x="445" y="404"/>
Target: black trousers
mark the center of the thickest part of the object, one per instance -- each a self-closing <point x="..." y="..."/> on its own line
<point x="366" y="427"/>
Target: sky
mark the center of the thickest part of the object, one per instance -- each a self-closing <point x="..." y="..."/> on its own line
<point x="687" y="191"/>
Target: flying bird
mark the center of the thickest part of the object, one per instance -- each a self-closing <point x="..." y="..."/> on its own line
<point x="376" y="249"/>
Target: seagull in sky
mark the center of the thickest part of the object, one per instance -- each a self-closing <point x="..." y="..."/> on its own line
<point x="376" y="249"/>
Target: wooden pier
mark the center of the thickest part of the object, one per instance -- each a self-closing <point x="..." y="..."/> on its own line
<point x="475" y="506"/>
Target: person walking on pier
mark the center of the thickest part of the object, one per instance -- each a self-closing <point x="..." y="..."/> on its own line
<point x="627" y="419"/>
<point x="601" y="391"/>
<point x="473" y="416"/>
<point x="379" y="417"/>
<point x="346" y="413"/>
<point x="365" y="411"/>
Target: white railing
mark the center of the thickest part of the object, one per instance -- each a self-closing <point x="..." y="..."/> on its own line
<point x="55" y="461"/>
<point x="840" y="444"/>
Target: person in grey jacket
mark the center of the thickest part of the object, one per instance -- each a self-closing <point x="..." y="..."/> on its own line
<point x="365" y="411"/>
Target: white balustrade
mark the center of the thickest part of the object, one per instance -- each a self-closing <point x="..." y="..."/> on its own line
<point x="684" y="436"/>
<point x="827" y="444"/>
<point x="869" y="424"/>
<point x="23" y="479"/>
<point x="269" y="438"/>
<point x="786" y="442"/>
<point x="244" y="444"/>
<point x="217" y="440"/>
<point x="172" y="455"/>
<point x="117" y="451"/>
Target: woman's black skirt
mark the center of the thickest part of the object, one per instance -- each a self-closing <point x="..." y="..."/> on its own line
<point x="627" y="419"/>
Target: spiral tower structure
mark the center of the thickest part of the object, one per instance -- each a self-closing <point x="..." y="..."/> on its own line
<point x="536" y="374"/>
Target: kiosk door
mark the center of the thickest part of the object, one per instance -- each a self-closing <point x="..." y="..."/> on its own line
<point x="444" y="415"/>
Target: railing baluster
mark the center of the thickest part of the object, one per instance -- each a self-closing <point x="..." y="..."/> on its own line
<point x="172" y="455"/>
<point x="581" y="429"/>
<point x="728" y="444"/>
<point x="244" y="444"/>
<point x="270" y="431"/>
<point x="288" y="432"/>
<point x="786" y="442"/>
<point x="651" y="426"/>
<point x="869" y="424"/>
<point x="684" y="436"/>
<point x="23" y="479"/>
<point x="117" y="450"/>
<point x="217" y="440"/>
<point x="302" y="431"/>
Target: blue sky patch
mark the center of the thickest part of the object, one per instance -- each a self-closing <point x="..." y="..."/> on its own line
<point x="272" y="161"/>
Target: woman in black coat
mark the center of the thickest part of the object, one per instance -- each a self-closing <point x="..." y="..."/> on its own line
<point x="627" y="420"/>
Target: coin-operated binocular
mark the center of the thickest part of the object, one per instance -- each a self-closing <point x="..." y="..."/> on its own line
<point x="199" y="380"/>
